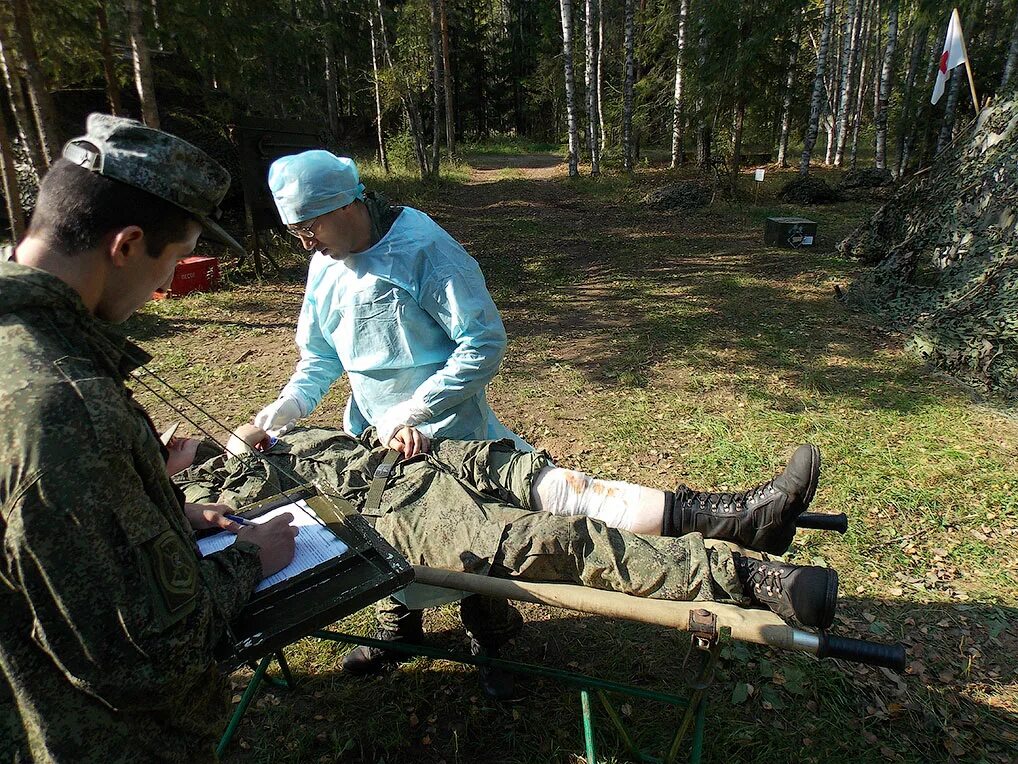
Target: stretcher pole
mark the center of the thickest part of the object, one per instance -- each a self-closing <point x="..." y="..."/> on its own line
<point x="748" y="625"/>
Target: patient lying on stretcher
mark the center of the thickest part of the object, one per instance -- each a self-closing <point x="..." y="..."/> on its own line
<point x="484" y="507"/>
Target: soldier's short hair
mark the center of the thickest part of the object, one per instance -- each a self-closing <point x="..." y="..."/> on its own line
<point x="76" y="208"/>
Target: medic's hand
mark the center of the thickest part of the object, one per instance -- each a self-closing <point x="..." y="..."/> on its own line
<point x="279" y="417"/>
<point x="276" y="539"/>
<point x="410" y="441"/>
<point x="181" y="456"/>
<point x="202" y="516"/>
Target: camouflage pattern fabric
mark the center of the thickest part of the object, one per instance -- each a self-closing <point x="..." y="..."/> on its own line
<point x="382" y="214"/>
<point x="945" y="255"/>
<point x="466" y="507"/>
<point x="109" y="617"/>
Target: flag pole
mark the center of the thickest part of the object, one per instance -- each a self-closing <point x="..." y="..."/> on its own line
<point x="968" y="65"/>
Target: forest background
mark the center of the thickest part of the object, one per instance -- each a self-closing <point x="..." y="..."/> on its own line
<point x="718" y="83"/>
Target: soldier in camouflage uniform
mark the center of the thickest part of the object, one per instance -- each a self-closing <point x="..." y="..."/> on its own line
<point x="109" y="618"/>
<point x="469" y="506"/>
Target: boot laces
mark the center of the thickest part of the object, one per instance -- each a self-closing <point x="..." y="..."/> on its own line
<point x="728" y="502"/>
<point x="764" y="578"/>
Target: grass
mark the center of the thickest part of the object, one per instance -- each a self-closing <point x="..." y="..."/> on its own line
<point x="664" y="348"/>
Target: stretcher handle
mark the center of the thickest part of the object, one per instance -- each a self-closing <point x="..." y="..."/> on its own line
<point x="822" y="522"/>
<point x="861" y="651"/>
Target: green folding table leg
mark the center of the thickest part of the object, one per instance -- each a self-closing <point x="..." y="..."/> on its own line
<point x="588" y="727"/>
<point x="250" y="691"/>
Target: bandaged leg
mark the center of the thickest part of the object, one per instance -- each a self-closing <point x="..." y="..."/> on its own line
<point x="569" y="493"/>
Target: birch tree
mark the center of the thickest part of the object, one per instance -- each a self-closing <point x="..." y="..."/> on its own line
<point x="627" y="89"/>
<point x="600" y="78"/>
<point x="450" y="123"/>
<point x="590" y="71"/>
<point x="886" y="75"/>
<point x="853" y="24"/>
<point x="566" y="9"/>
<point x="677" y="96"/>
<point x="906" y="139"/>
<point x="816" y="102"/>
<point x="142" y="62"/>
<point x="786" y="103"/>
<point x="382" y="156"/>
<point x="436" y="87"/>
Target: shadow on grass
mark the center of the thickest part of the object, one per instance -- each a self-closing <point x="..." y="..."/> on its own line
<point x="764" y="706"/>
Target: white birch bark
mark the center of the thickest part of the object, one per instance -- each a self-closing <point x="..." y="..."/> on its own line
<point x="590" y="71"/>
<point x="627" y="90"/>
<point x="567" y="58"/>
<point x="677" y="95"/>
<point x="816" y="102"/>
<point x="786" y="103"/>
<point x="382" y="156"/>
<point x="853" y="23"/>
<point x="886" y="76"/>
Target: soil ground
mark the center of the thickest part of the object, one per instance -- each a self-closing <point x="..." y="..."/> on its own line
<point x="668" y="348"/>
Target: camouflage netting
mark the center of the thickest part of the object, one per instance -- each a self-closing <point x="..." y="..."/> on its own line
<point x="808" y="190"/>
<point x="945" y="250"/>
<point x="869" y="177"/>
<point x="687" y="195"/>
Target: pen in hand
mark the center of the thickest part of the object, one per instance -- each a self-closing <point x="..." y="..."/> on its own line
<point x="238" y="519"/>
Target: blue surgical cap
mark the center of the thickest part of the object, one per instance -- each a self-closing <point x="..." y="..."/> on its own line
<point x="307" y="185"/>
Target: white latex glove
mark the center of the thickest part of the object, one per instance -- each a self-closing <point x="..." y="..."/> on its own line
<point x="405" y="413"/>
<point x="279" y="417"/>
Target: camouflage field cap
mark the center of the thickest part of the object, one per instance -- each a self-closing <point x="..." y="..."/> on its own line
<point x="155" y="161"/>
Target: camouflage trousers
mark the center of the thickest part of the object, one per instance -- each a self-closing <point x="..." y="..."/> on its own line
<point x="466" y="507"/>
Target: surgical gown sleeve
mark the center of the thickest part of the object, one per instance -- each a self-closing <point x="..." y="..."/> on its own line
<point x="458" y="299"/>
<point x="319" y="365"/>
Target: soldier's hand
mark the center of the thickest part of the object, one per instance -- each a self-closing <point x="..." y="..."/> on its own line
<point x="276" y="540"/>
<point x="202" y="516"/>
<point x="181" y="454"/>
<point x="410" y="441"/>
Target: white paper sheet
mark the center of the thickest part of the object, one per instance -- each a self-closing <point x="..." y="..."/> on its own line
<point x="315" y="543"/>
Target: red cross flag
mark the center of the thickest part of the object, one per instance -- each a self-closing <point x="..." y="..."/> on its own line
<point x="953" y="55"/>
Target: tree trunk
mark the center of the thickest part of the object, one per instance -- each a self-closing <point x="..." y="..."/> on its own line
<point x="408" y="98"/>
<point x="738" y="120"/>
<point x="862" y="85"/>
<point x="947" y="127"/>
<point x="436" y="88"/>
<point x="567" y="58"/>
<point x="331" y="84"/>
<point x="906" y="139"/>
<point x="886" y="75"/>
<point x="830" y="114"/>
<point x="38" y="91"/>
<point x="1012" y="54"/>
<point x="23" y="117"/>
<point x="600" y="80"/>
<point x="878" y="21"/>
<point x="853" y="24"/>
<point x="15" y="214"/>
<point x="382" y="156"/>
<point x="590" y="72"/>
<point x="627" y="90"/>
<point x="786" y="104"/>
<point x="677" y="97"/>
<point x="142" y="65"/>
<point x="816" y="102"/>
<point x="703" y="130"/>
<point x="109" y="70"/>
<point x="450" y="123"/>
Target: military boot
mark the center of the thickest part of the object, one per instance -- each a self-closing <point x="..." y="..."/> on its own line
<point x="497" y="683"/>
<point x="364" y="660"/>
<point x="762" y="518"/>
<point x="805" y="593"/>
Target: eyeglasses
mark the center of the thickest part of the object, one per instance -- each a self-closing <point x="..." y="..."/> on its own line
<point x="303" y="230"/>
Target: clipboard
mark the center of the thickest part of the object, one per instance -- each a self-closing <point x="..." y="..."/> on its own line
<point x="369" y="570"/>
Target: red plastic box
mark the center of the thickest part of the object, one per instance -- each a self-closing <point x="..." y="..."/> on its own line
<point x="194" y="274"/>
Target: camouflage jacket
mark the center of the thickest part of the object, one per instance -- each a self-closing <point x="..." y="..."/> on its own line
<point x="109" y="617"/>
